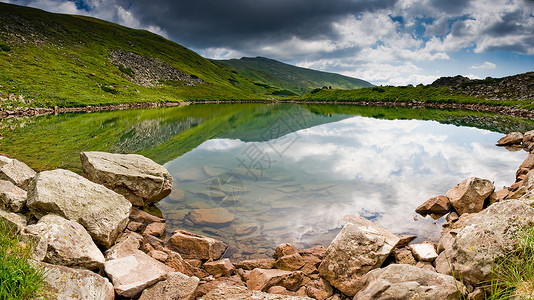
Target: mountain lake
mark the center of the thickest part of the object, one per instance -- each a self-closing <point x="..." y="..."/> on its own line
<point x="281" y="173"/>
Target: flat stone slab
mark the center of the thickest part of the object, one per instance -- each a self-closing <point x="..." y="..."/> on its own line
<point x="132" y="274"/>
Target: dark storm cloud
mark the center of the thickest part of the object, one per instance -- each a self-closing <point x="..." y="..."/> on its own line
<point x="216" y="23"/>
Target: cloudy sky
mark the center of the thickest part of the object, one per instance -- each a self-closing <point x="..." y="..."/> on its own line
<point x="393" y="42"/>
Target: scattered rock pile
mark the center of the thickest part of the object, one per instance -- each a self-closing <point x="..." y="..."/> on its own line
<point x="149" y="71"/>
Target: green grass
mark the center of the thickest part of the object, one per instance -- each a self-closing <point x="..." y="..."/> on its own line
<point x="282" y="76"/>
<point x="513" y="274"/>
<point x="418" y="93"/>
<point x="19" y="280"/>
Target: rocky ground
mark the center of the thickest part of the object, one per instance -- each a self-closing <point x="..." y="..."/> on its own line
<point x="96" y="243"/>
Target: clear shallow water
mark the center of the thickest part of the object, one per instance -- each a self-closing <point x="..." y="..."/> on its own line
<point x="297" y="187"/>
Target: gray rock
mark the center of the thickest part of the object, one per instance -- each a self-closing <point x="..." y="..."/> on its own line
<point x="101" y="211"/>
<point x="360" y="247"/>
<point x="68" y="243"/>
<point x="11" y="196"/>
<point x="487" y="236"/>
<point x="139" y="179"/>
<point x="408" y="282"/>
<point x="67" y="284"/>
<point x="469" y="195"/>
<point x="132" y="274"/>
<point x="18" y="173"/>
<point x="176" y="286"/>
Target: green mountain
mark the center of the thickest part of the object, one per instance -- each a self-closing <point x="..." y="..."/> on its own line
<point x="62" y="60"/>
<point x="290" y="78"/>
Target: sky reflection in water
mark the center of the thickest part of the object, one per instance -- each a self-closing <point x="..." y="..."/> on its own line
<point x="379" y="169"/>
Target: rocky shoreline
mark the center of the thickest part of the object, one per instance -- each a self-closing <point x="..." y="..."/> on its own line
<point x="91" y="235"/>
<point x="497" y="109"/>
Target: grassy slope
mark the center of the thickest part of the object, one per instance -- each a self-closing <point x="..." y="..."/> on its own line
<point x="406" y="94"/>
<point x="295" y="79"/>
<point x="63" y="60"/>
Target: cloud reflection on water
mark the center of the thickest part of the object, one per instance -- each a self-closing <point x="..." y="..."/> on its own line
<point x="379" y="169"/>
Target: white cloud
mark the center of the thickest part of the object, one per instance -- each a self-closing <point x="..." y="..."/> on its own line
<point x="486" y="65"/>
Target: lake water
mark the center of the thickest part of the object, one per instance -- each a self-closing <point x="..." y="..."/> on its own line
<point x="286" y="173"/>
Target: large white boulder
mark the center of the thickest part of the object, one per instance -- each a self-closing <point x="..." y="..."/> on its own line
<point x="139" y="179"/>
<point x="68" y="243"/>
<point x="100" y="210"/>
<point x="488" y="235"/>
<point x="360" y="247"/>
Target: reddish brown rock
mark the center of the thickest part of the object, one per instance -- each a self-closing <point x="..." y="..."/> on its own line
<point x="140" y="216"/>
<point x="498" y="196"/>
<point x="319" y="289"/>
<point x="205" y="288"/>
<point x="219" y="268"/>
<point x="317" y="251"/>
<point x="262" y="280"/>
<point x="215" y="217"/>
<point x="155" y="229"/>
<point x="280" y="290"/>
<point x="405" y="240"/>
<point x="528" y="140"/>
<point x="260" y="263"/>
<point x="405" y="257"/>
<point x="175" y="261"/>
<point x="513" y="138"/>
<point x="134" y="226"/>
<point x="193" y="246"/>
<point x="284" y="249"/>
<point x="311" y="263"/>
<point x="291" y="262"/>
<point x="158" y="255"/>
<point x="469" y="195"/>
<point x="176" y="286"/>
<point x="439" y="205"/>
<point x="528" y="163"/>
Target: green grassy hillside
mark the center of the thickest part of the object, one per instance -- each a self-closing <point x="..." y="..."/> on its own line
<point x="287" y="77"/>
<point x="54" y="59"/>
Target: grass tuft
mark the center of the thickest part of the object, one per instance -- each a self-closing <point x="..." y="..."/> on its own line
<point x="19" y="279"/>
<point x="513" y="274"/>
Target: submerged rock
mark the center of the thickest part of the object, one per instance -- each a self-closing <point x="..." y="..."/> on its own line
<point x="469" y="195"/>
<point x="360" y="247"/>
<point x="398" y="281"/>
<point x="139" y="179"/>
<point x="215" y="217"/>
<point x="101" y="211"/>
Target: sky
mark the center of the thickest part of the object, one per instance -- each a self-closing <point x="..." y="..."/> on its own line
<point x="386" y="42"/>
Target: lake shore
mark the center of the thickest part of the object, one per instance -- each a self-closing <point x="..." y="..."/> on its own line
<point x="497" y="109"/>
